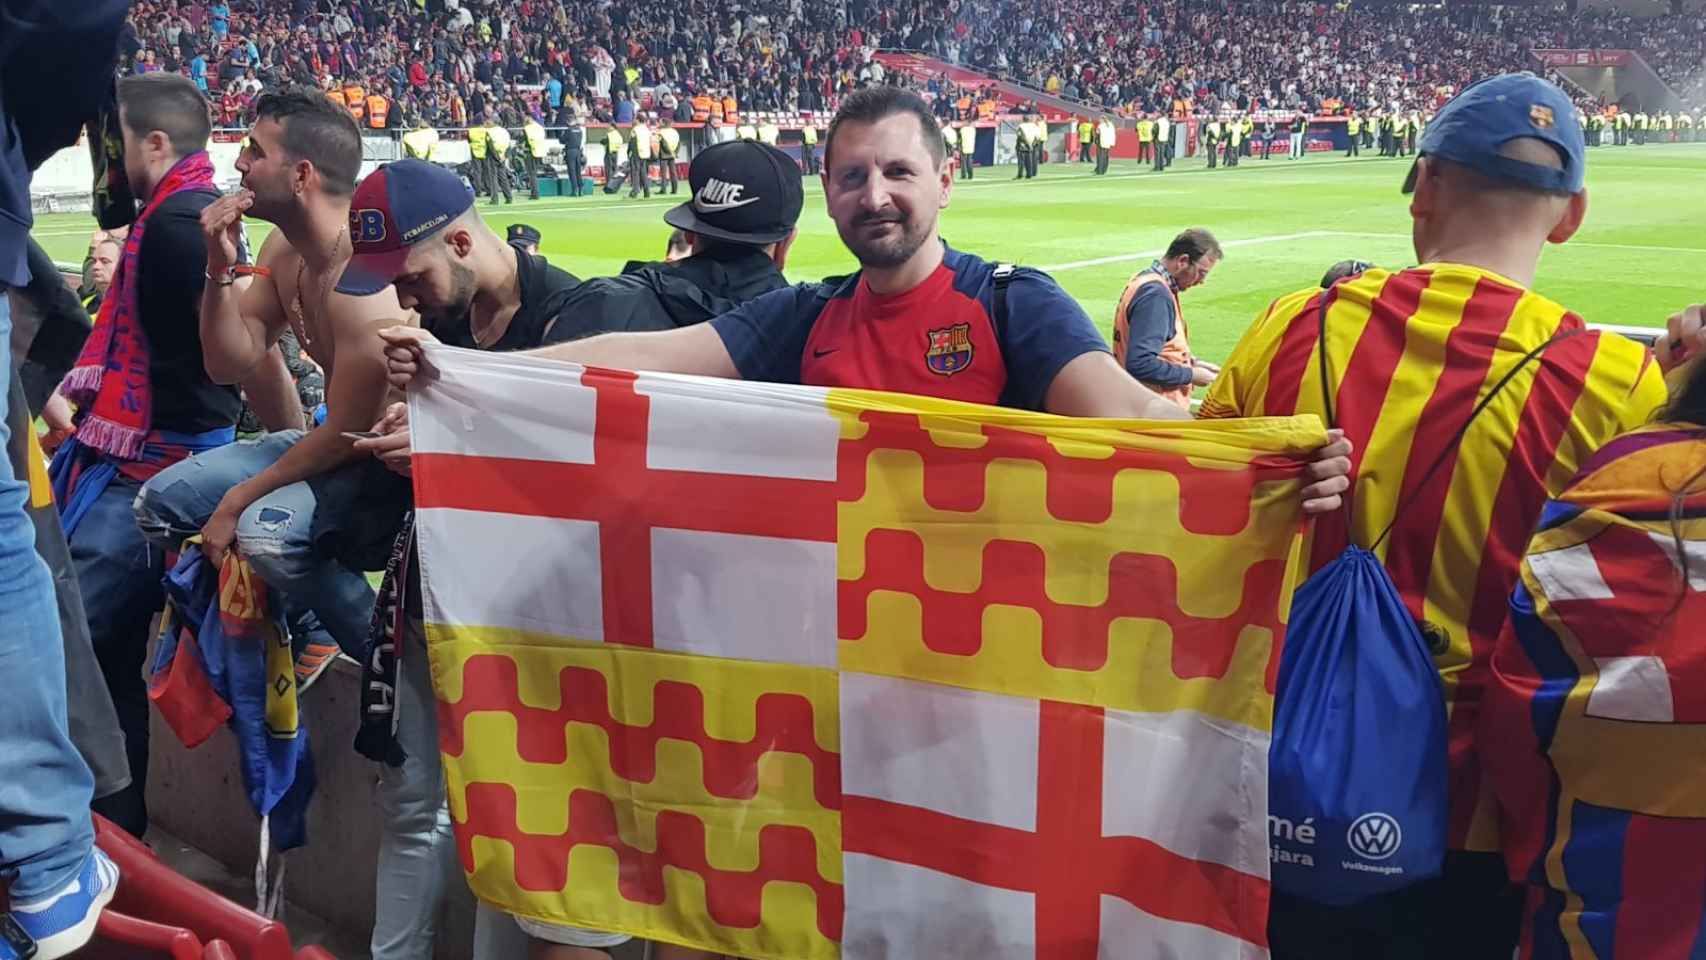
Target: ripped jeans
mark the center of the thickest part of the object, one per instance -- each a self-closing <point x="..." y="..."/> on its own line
<point x="273" y="533"/>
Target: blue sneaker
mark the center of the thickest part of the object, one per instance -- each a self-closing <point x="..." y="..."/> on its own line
<point x="64" y="921"/>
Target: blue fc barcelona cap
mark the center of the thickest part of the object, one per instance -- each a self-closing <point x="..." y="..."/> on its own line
<point x="396" y="207"/>
<point x="1477" y="123"/>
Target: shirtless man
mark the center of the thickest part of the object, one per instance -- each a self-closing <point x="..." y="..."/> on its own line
<point x="299" y="171"/>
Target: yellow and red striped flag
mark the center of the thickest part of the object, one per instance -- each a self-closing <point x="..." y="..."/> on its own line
<point x="787" y="672"/>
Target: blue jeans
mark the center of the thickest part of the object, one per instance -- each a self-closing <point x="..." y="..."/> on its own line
<point x="273" y="534"/>
<point x="119" y="574"/>
<point x="45" y="787"/>
<point x="418" y="865"/>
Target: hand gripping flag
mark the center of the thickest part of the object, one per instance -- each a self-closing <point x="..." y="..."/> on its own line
<point x="786" y="672"/>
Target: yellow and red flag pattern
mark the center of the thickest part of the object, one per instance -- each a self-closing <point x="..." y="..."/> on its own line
<point x="787" y="672"/>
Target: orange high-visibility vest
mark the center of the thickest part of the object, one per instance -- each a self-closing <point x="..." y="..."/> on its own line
<point x="729" y="108"/>
<point x="1176" y="350"/>
<point x="377" y="108"/>
<point x="357" y="100"/>
<point x="702" y="108"/>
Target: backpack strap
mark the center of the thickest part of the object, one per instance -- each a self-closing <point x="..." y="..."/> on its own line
<point x="1003" y="276"/>
<point x="1323" y="305"/>
<point x="1457" y="438"/>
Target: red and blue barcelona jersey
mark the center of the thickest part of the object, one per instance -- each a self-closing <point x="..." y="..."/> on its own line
<point x="939" y="339"/>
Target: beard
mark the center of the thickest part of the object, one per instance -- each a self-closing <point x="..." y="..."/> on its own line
<point x="455" y="316"/>
<point x="893" y="248"/>
<point x="269" y="203"/>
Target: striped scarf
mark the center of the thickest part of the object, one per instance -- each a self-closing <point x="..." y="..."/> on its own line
<point x="117" y="411"/>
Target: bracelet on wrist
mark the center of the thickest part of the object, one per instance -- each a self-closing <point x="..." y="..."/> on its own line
<point x="225" y="279"/>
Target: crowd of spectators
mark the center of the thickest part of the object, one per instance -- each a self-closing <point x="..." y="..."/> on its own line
<point x="449" y="62"/>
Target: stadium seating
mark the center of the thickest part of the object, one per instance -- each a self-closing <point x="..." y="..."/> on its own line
<point x="448" y="65"/>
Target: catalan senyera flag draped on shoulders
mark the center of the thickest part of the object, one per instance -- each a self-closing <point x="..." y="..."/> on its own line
<point x="1409" y="354"/>
<point x="796" y="673"/>
<point x="1594" y="730"/>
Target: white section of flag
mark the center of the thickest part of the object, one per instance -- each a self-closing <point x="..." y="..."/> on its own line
<point x="1569" y="574"/>
<point x="1193" y="784"/>
<point x="746" y="597"/>
<point x="1632" y="688"/>
<point x="503" y="406"/>
<point x="966" y="753"/>
<point x="897" y="910"/>
<point x="506" y="570"/>
<point x="1129" y="933"/>
<point x="1694" y="550"/>
<point x="732" y="427"/>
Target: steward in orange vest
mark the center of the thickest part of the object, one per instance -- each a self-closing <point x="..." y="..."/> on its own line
<point x="702" y="108"/>
<point x="1150" y="335"/>
<point x="377" y="110"/>
<point x="729" y="110"/>
<point x="357" y="100"/>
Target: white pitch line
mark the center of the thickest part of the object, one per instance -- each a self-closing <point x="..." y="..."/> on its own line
<point x="1151" y="254"/>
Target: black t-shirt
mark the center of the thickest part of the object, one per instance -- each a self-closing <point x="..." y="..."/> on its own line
<point x="173" y="261"/>
<point x="544" y="289"/>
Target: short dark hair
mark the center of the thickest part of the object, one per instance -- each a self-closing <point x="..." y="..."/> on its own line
<point x="169" y="103"/>
<point x="879" y="103"/>
<point x="1195" y="243"/>
<point x="318" y="131"/>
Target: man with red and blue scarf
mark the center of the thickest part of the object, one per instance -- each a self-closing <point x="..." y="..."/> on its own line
<point x="144" y="398"/>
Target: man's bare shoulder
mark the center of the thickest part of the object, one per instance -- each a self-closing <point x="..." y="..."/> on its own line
<point x="277" y="252"/>
<point x="364" y="315"/>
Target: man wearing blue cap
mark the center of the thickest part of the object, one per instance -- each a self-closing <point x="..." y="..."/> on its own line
<point x="1408" y="360"/>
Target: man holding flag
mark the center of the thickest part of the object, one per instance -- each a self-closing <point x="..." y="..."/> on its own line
<point x="1405" y="360"/>
<point x="886" y="180"/>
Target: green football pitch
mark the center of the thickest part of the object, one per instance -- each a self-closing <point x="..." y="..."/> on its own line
<point x="1640" y="256"/>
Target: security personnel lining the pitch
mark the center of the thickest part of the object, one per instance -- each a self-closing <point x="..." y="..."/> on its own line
<point x="1086" y="134"/>
<point x="478" y="146"/>
<point x="1163" y="142"/>
<point x="1234" y="140"/>
<point x="421" y="142"/>
<point x="808" y="148"/>
<point x="574" y="152"/>
<point x="1022" y="149"/>
<point x="614" y="152"/>
<point x="1211" y="141"/>
<point x="533" y="132"/>
<point x="639" y="159"/>
<point x="669" y="147"/>
<point x="1353" y="133"/>
<point x="917" y="318"/>
<point x="497" y="159"/>
<point x="1106" y="135"/>
<point x="1150" y="338"/>
<point x="968" y="149"/>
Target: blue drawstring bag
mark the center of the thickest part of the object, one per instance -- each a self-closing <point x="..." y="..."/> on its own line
<point x="1357" y="788"/>
<point x="1358" y="795"/>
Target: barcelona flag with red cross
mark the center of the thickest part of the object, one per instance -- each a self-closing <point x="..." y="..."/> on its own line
<point x="788" y="672"/>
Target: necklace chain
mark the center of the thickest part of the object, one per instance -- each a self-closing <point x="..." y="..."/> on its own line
<point x="298" y="321"/>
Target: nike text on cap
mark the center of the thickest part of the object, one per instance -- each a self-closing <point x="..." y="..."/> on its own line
<point x="396" y="207"/>
<point x="743" y="192"/>
<point x="1477" y="123"/>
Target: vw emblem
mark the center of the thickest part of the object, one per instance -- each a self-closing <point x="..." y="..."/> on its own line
<point x="1374" y="836"/>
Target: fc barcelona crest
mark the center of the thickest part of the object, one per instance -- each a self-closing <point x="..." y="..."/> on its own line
<point x="950" y="349"/>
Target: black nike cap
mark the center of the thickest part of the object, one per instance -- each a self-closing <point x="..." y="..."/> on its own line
<point x="743" y="192"/>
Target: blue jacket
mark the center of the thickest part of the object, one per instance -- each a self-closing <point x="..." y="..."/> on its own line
<point x="76" y="44"/>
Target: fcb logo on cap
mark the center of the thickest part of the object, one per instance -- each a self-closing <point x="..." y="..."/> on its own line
<point x="1542" y="116"/>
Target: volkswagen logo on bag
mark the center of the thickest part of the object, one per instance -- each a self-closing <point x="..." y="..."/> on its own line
<point x="1374" y="836"/>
